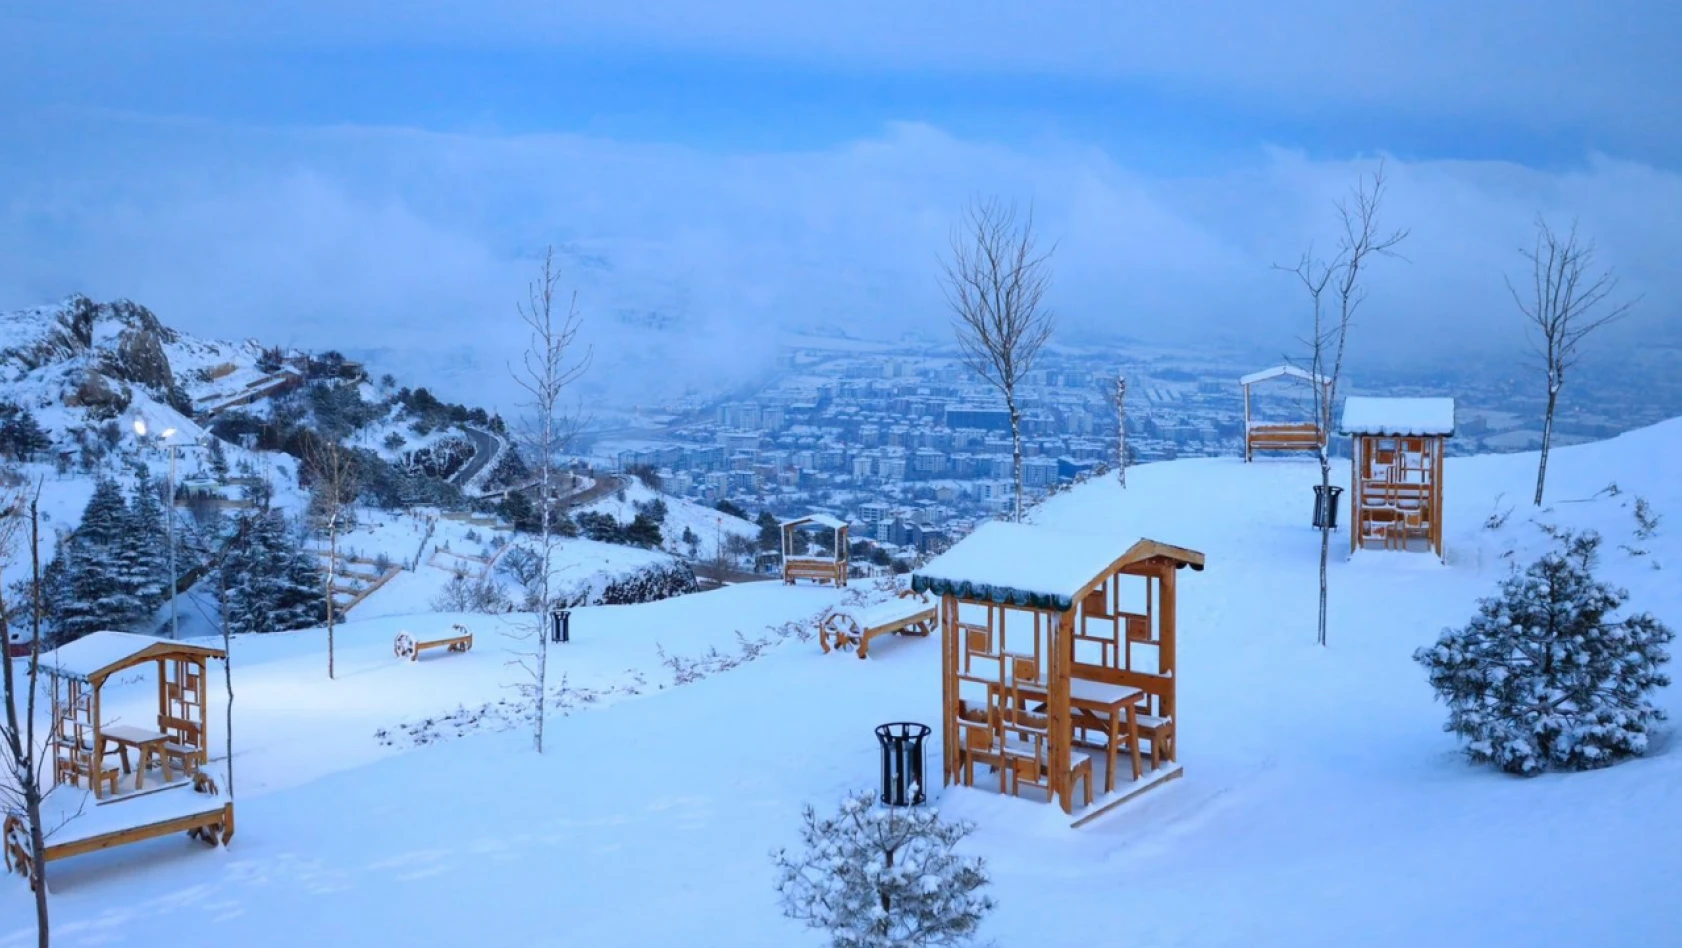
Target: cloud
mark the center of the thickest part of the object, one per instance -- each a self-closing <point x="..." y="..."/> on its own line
<point x="1607" y="71"/>
<point x="416" y="245"/>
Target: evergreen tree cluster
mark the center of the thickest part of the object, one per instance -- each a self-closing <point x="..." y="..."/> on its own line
<point x="643" y="530"/>
<point x="21" y="436"/>
<point x="1543" y="677"/>
<point x="112" y="571"/>
<point x="272" y="584"/>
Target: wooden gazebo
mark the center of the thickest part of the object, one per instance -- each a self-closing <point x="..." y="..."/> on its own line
<point x="166" y="787"/>
<point x="1396" y="480"/>
<point x="1053" y="641"/>
<point x="1281" y="436"/>
<point x="822" y="569"/>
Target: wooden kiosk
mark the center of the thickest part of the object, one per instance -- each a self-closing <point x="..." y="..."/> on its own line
<point x="1053" y="641"/>
<point x="1281" y="436"/>
<point x="822" y="569"/>
<point x="165" y="788"/>
<point x="1396" y="481"/>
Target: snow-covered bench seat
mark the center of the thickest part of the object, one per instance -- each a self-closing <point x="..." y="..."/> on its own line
<point x="409" y="647"/>
<point x="910" y="614"/>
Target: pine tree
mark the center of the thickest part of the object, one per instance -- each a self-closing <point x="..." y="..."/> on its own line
<point x="273" y="586"/>
<point x="96" y="586"/>
<point x="146" y="546"/>
<point x="770" y="532"/>
<point x="218" y="460"/>
<point x="875" y="877"/>
<point x="1543" y="678"/>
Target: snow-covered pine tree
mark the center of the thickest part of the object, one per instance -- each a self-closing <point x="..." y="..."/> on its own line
<point x="1543" y="678"/>
<point x="95" y="587"/>
<point x="876" y="877"/>
<point x="272" y="586"/>
<point x="218" y="460"/>
<point x="146" y="546"/>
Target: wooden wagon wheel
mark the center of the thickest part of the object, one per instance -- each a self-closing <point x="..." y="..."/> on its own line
<point x="404" y="645"/>
<point x="848" y="636"/>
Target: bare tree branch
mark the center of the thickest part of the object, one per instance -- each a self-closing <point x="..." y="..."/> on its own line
<point x="1565" y="305"/>
<point x="334" y="475"/>
<point x="996" y="281"/>
<point x="1335" y="294"/>
<point x="550" y="366"/>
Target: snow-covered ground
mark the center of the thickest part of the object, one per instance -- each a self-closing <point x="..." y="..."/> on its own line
<point x="1321" y="803"/>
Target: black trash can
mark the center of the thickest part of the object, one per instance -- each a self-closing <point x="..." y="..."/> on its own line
<point x="1322" y="509"/>
<point x="902" y="762"/>
<point x="562" y="628"/>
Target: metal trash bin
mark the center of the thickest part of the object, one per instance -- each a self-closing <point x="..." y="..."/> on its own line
<point x="902" y="762"/>
<point x="561" y="630"/>
<point x="1322" y="508"/>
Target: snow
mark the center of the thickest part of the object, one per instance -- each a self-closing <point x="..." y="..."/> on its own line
<point x="1001" y="557"/>
<point x="893" y="611"/>
<point x="1319" y="792"/>
<point x="1280" y="370"/>
<point x="93" y="653"/>
<point x="822" y="520"/>
<point x="709" y="527"/>
<point x="1397" y="416"/>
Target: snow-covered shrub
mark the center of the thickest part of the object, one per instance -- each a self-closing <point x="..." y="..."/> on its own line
<point x="1542" y="677"/>
<point x="1646" y="519"/>
<point x="465" y="594"/>
<point x="883" y="877"/>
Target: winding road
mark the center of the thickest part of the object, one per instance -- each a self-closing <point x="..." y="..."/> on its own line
<point x="487" y="448"/>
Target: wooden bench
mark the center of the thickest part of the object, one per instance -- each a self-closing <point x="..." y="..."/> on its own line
<point x="185" y="744"/>
<point x="909" y="614"/>
<point x="409" y="647"/>
<point x="1306" y="437"/>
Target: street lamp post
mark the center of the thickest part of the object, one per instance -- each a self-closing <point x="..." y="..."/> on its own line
<point x="162" y="438"/>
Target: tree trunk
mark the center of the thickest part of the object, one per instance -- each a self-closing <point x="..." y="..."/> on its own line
<point x="1015" y="448"/>
<point x="1547" y="439"/>
<point x="1325" y="535"/>
<point x="332" y="569"/>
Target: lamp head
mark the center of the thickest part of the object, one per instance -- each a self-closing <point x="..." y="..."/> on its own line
<point x="140" y="426"/>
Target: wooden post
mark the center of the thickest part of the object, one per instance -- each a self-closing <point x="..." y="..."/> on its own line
<point x="949" y="645"/>
<point x="1058" y="725"/>
<point x="1357" y="452"/>
<point x="1246" y="424"/>
<point x="1165" y="653"/>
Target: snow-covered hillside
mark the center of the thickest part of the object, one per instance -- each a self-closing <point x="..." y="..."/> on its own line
<point x="237" y="413"/>
<point x="1321" y="804"/>
<point x="709" y="527"/>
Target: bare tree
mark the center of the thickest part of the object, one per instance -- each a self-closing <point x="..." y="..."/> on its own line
<point x="1336" y="292"/>
<point x="996" y="280"/>
<point x="550" y="366"/>
<point x="333" y="473"/>
<point x="1564" y="306"/>
<point x="1121" y="428"/>
<point x="24" y="755"/>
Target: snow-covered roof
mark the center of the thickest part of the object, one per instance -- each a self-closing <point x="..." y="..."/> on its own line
<point x="1403" y="417"/>
<point x="822" y="520"/>
<point x="1279" y="370"/>
<point x="98" y="653"/>
<point x="1033" y="566"/>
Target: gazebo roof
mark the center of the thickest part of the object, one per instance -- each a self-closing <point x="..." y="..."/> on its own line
<point x="1024" y="565"/>
<point x="1280" y="370"/>
<point x="822" y="520"/>
<point x="97" y="654"/>
<point x="1398" y="417"/>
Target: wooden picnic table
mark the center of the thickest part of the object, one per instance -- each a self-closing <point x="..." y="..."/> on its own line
<point x="148" y="744"/>
<point x="1106" y="707"/>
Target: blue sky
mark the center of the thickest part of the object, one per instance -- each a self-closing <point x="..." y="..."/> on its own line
<point x="345" y="170"/>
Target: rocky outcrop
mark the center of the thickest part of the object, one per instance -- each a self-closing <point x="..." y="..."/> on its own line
<point x="79" y="327"/>
<point x="101" y="396"/>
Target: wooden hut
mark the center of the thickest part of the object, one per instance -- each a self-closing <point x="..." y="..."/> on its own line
<point x="166" y="787"/>
<point x="1281" y="436"/>
<point x="1396" y="480"/>
<point x="823" y="568"/>
<point x="1053" y="644"/>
